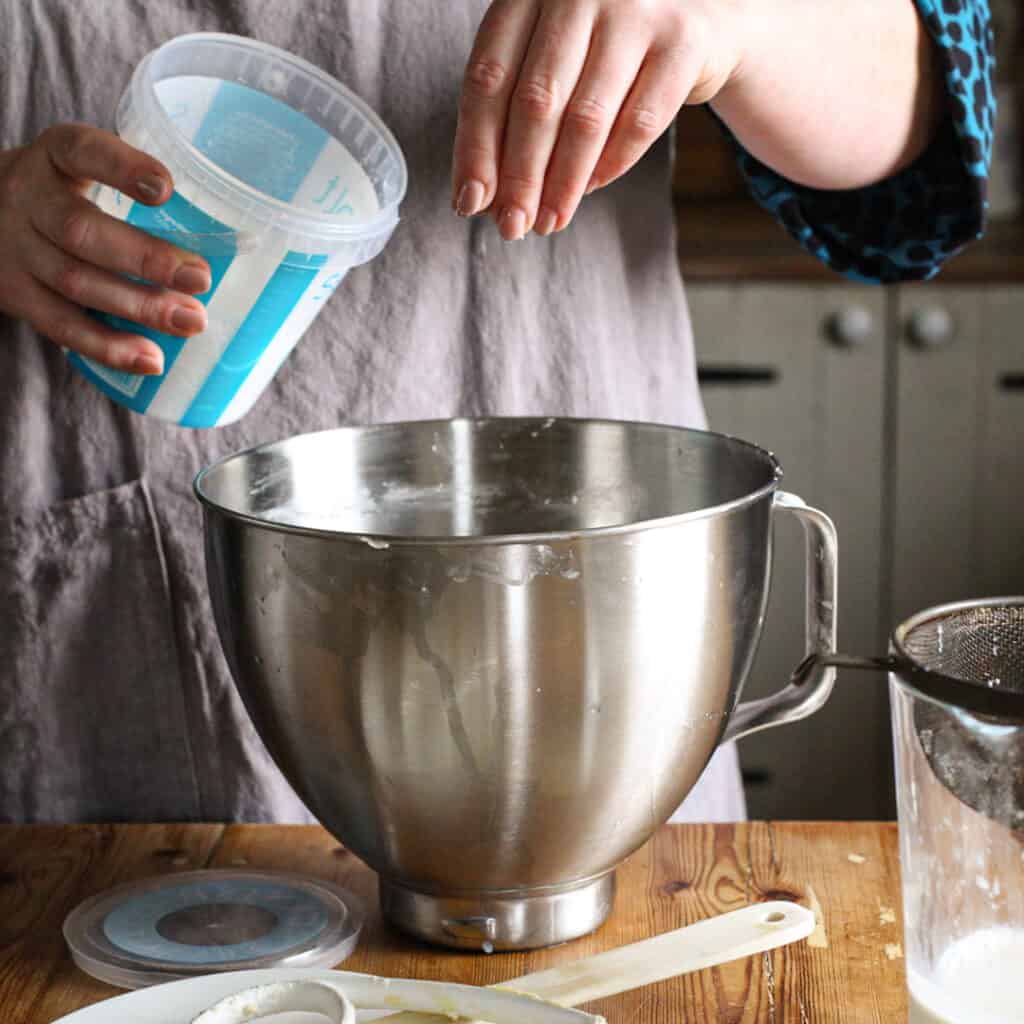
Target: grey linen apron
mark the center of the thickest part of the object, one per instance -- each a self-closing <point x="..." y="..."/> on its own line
<point x="115" y="700"/>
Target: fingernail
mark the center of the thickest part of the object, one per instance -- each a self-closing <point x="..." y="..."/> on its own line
<point x="512" y="224"/>
<point x="592" y="185"/>
<point x="151" y="187"/>
<point x="192" y="279"/>
<point x="546" y="221"/>
<point x="191" y="321"/>
<point x="471" y="199"/>
<point x="150" y="364"/>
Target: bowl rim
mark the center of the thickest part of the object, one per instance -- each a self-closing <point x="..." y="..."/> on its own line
<point x="384" y="541"/>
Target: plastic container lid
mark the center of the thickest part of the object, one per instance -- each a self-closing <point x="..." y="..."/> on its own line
<point x="301" y="91"/>
<point x="204" y="922"/>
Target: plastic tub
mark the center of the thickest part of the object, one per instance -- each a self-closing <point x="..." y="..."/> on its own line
<point x="284" y="179"/>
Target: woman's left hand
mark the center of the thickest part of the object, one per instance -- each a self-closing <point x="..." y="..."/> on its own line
<point x="563" y="96"/>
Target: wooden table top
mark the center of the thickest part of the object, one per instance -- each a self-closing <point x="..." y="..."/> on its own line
<point x="849" y="971"/>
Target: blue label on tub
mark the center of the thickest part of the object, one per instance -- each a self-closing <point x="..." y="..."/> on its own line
<point x="260" y="140"/>
<point x="272" y="308"/>
<point x="186" y="226"/>
<point x="272" y="148"/>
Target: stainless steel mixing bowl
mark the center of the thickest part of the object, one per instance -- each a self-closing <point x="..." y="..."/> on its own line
<point x="493" y="656"/>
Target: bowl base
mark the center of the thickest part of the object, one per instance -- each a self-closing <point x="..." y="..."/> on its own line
<point x="505" y="920"/>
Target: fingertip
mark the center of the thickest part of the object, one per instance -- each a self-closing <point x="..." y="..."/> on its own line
<point x="190" y="319"/>
<point x="471" y="198"/>
<point x="547" y="221"/>
<point x="193" y="278"/>
<point x="152" y="188"/>
<point x="136" y="355"/>
<point x="148" y="361"/>
<point x="513" y="223"/>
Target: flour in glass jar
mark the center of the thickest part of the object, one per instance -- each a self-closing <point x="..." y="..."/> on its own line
<point x="976" y="981"/>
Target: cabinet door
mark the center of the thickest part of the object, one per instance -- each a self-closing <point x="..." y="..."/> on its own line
<point x="959" y="453"/>
<point x="772" y="375"/>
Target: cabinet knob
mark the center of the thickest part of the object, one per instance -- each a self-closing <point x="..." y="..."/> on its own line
<point x="851" y="326"/>
<point x="932" y="327"/>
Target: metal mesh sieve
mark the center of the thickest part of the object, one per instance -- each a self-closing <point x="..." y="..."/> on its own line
<point x="969" y="656"/>
<point x="982" y="644"/>
<point x="966" y="663"/>
<point x="978" y="757"/>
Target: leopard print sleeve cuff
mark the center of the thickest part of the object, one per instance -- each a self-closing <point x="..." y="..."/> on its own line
<point x="905" y="228"/>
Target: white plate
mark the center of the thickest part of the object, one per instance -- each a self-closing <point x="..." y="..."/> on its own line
<point x="178" y="1002"/>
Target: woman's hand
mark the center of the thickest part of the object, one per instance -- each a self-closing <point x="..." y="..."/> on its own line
<point x="563" y="96"/>
<point x="61" y="255"/>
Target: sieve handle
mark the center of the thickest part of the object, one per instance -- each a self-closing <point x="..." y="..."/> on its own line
<point x="805" y="696"/>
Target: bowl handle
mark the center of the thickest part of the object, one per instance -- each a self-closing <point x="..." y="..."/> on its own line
<point x="806" y="695"/>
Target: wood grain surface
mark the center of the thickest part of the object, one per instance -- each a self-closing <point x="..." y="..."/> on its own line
<point x="850" y="971"/>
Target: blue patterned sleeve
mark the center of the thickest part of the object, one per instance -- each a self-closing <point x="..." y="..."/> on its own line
<point x="905" y="228"/>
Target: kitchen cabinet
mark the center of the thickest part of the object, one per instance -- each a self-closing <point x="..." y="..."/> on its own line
<point x="899" y="412"/>
<point x="958" y="459"/>
<point x="802" y="372"/>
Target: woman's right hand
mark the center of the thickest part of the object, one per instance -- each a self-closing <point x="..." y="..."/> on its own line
<point x="61" y="255"/>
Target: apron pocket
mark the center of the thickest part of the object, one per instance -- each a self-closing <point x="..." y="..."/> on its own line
<point x="92" y="714"/>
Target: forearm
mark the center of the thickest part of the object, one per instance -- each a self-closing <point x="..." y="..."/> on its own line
<point x="834" y="94"/>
